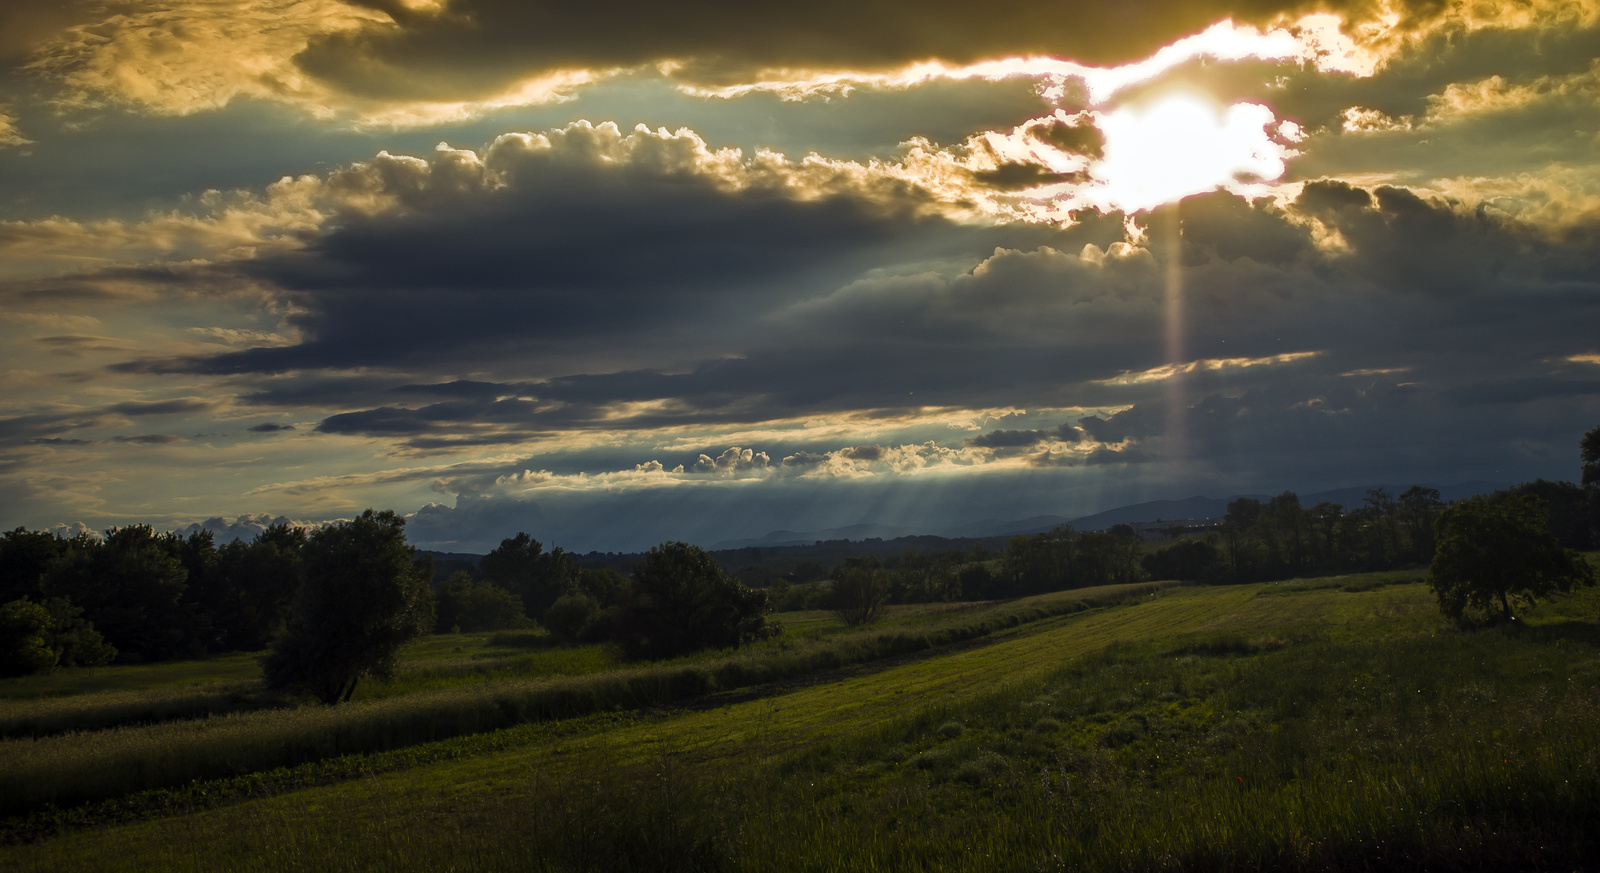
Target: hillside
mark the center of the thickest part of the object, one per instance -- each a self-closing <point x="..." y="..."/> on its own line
<point x="1325" y="723"/>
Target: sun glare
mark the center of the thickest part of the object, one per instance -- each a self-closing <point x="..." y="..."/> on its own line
<point x="1182" y="144"/>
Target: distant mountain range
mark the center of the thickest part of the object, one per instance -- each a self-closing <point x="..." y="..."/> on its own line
<point x="1155" y="510"/>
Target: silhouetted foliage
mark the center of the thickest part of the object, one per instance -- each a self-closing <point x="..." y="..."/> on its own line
<point x="860" y="590"/>
<point x="1193" y="559"/>
<point x="1064" y="558"/>
<point x="255" y="585"/>
<point x="570" y="615"/>
<point x="1497" y="554"/>
<point x="1589" y="452"/>
<point x="132" y="586"/>
<point x="24" y="557"/>
<point x="463" y="604"/>
<point x="1574" y="512"/>
<point x="522" y="566"/>
<point x="363" y="594"/>
<point x="681" y="601"/>
<point x="38" y="637"/>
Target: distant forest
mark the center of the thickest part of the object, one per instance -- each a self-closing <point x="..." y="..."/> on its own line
<point x="138" y="595"/>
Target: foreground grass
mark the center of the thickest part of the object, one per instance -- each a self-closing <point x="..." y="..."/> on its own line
<point x="1301" y="727"/>
<point x="76" y="768"/>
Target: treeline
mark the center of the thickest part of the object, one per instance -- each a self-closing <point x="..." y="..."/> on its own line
<point x="136" y="595"/>
<point x="148" y="596"/>
<point x="1280" y="539"/>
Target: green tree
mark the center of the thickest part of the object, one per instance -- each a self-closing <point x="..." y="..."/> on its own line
<point x="24" y="644"/>
<point x="521" y="565"/>
<point x="132" y="587"/>
<point x="860" y="590"/>
<point x="570" y="615"/>
<point x="467" y="605"/>
<point x="1493" y="555"/>
<point x="1589" y="450"/>
<point x="681" y="601"/>
<point x="258" y="582"/>
<point x="38" y="637"/>
<point x="24" y="557"/>
<point x="363" y="594"/>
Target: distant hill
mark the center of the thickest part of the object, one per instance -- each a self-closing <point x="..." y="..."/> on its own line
<point x="785" y="549"/>
<point x="806" y="538"/>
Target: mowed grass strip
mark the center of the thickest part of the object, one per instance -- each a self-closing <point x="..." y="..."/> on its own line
<point x="364" y="814"/>
<point x="85" y="767"/>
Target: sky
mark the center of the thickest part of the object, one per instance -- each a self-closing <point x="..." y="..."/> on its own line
<point x="616" y="273"/>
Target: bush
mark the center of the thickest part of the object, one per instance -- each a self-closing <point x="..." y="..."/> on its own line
<point x="465" y="605"/>
<point x="570" y="614"/>
<point x="681" y="601"/>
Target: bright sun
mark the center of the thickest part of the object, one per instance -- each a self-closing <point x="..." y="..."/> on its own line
<point x="1179" y="145"/>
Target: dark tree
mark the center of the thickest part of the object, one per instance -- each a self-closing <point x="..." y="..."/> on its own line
<point x="1419" y="509"/>
<point x="132" y="587"/>
<point x="522" y="566"/>
<point x="1589" y="451"/>
<point x="570" y="615"/>
<point x="1493" y="555"/>
<point x="258" y="579"/>
<point x="363" y="594"/>
<point x="466" y="605"/>
<point x="24" y="557"/>
<point x="860" y="590"/>
<point x="24" y="639"/>
<point x="681" y="601"/>
<point x="38" y="637"/>
<point x="1189" y="560"/>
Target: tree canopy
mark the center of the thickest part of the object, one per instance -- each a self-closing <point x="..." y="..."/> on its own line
<point x="681" y="601"/>
<point x="1493" y="556"/>
<point x="363" y="594"/>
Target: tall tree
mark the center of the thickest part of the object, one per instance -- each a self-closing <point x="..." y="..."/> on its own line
<point x="363" y="594"/>
<point x="131" y="586"/>
<point x="1496" y="555"/>
<point x="522" y="566"/>
<point x="681" y="601"/>
<point x="1589" y="451"/>
<point x="860" y="590"/>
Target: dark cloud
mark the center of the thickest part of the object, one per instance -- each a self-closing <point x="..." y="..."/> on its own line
<point x="270" y="427"/>
<point x="149" y="439"/>
<point x="1076" y="135"/>
<point x="1013" y="439"/>
<point x="479" y="46"/>
<point x="569" y="245"/>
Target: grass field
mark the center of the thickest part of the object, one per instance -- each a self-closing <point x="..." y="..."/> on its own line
<point x="1315" y="724"/>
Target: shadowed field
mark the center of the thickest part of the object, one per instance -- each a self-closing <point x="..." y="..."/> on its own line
<point x="1317" y="724"/>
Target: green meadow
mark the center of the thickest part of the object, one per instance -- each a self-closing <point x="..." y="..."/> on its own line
<point x="1331" y="723"/>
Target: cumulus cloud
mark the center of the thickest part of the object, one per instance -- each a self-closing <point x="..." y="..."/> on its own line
<point x="245" y="526"/>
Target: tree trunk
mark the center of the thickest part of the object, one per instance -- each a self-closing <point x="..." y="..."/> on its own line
<point x="1505" y="606"/>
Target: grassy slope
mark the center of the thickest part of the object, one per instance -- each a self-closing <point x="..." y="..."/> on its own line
<point x="1041" y="748"/>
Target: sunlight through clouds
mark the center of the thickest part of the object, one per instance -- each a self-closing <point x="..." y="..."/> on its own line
<point x="1181" y="145"/>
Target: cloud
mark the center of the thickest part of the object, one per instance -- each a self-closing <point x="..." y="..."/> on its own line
<point x="10" y="136"/>
<point x="1017" y="439"/>
<point x="397" y="63"/>
<point x="245" y="526"/>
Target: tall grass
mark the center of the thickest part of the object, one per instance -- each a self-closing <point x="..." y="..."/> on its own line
<point x="88" y="766"/>
<point x="1427" y="750"/>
